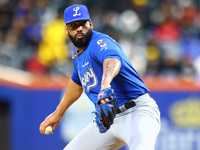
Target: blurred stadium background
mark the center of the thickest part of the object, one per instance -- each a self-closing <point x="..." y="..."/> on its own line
<point x="160" y="37"/>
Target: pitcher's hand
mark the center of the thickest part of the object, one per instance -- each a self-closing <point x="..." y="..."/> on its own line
<point x="53" y="120"/>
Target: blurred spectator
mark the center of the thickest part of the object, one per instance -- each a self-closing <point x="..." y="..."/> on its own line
<point x="6" y="14"/>
<point x="9" y="53"/>
<point x="153" y="55"/>
<point x="52" y="50"/>
<point x="132" y="39"/>
<point x="130" y="25"/>
<point x="110" y="20"/>
<point x="165" y="35"/>
<point x="43" y="11"/>
<point x="96" y="15"/>
<point x="190" y="40"/>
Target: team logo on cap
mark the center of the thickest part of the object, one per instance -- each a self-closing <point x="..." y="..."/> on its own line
<point x="76" y="11"/>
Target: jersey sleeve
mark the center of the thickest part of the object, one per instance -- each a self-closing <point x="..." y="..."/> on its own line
<point x="106" y="48"/>
<point x="75" y="78"/>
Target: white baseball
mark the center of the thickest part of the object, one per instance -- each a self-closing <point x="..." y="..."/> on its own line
<point x="48" y="130"/>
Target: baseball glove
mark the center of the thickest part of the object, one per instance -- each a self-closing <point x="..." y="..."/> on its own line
<point x="105" y="113"/>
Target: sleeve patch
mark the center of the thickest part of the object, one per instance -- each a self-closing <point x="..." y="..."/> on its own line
<point x="102" y="44"/>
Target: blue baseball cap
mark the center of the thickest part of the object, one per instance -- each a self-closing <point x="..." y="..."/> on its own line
<point x="76" y="13"/>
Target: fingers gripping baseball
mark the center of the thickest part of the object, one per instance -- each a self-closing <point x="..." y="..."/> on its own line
<point x="105" y="112"/>
<point x="52" y="120"/>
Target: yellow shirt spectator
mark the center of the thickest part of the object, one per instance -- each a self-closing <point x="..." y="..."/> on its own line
<point x="53" y="47"/>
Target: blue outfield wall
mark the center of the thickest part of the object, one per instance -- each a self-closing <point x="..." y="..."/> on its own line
<point x="180" y="116"/>
<point x="180" y="120"/>
<point x="27" y="109"/>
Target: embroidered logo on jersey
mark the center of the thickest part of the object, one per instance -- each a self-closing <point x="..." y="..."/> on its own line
<point x="87" y="81"/>
<point x="76" y="11"/>
<point x="85" y="64"/>
<point x="102" y="44"/>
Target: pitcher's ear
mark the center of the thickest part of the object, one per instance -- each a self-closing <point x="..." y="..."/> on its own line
<point x="91" y="24"/>
<point x="66" y="29"/>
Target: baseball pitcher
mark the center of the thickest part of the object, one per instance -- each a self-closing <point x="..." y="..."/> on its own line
<point x="125" y="113"/>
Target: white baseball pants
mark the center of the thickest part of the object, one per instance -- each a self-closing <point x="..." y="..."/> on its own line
<point x="137" y="127"/>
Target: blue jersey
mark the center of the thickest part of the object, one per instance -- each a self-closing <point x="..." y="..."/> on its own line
<point x="88" y="70"/>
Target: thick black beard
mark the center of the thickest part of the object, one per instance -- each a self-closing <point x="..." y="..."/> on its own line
<point x="84" y="41"/>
